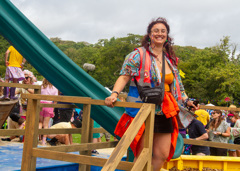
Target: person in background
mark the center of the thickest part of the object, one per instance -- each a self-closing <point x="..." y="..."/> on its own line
<point x="13" y="71"/>
<point x="47" y="112"/>
<point x="15" y="122"/>
<point x="63" y="138"/>
<point x="157" y="44"/>
<point x="231" y="152"/>
<point x="197" y="131"/>
<point x="219" y="131"/>
<point x="203" y="115"/>
<point x="65" y="114"/>
<point x="29" y="79"/>
<point x="235" y="119"/>
<point x="96" y="136"/>
<point x="78" y="114"/>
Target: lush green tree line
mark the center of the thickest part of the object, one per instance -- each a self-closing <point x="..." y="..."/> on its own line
<point x="211" y="74"/>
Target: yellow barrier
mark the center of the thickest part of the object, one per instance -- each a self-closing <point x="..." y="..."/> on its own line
<point x="201" y="162"/>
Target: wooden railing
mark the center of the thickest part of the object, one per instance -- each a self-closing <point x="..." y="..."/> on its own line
<point x="220" y="108"/>
<point x="85" y="160"/>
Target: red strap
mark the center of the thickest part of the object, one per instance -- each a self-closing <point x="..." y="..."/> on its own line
<point x="147" y="66"/>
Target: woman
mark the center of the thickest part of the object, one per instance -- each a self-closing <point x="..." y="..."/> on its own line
<point x="219" y="131"/>
<point x="28" y="79"/>
<point x="235" y="119"/>
<point x="47" y="112"/>
<point x="156" y="42"/>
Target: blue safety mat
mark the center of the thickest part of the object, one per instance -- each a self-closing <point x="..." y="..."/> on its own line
<point x="11" y="158"/>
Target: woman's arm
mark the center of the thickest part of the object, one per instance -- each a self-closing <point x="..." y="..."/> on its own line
<point x="31" y="91"/>
<point x="202" y="137"/>
<point x="118" y="87"/>
<point x="225" y="134"/>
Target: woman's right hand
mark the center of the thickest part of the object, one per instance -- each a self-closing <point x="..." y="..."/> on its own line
<point x="110" y="100"/>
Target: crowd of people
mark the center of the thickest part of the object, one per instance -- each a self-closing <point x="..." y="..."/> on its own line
<point x="214" y="126"/>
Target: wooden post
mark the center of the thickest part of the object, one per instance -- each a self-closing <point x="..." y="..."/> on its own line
<point x="144" y="161"/>
<point x="86" y="137"/>
<point x="148" y="137"/>
<point x="127" y="138"/>
<point x="31" y="135"/>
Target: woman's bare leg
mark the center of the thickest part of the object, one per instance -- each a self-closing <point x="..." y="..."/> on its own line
<point x="161" y="149"/>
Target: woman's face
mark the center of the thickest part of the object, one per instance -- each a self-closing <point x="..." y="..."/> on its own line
<point x="215" y="115"/>
<point x="158" y="34"/>
<point x="27" y="80"/>
<point x="233" y="120"/>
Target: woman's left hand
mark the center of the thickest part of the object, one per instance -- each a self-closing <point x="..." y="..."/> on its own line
<point x="190" y="103"/>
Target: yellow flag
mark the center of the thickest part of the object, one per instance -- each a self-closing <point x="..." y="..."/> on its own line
<point x="182" y="74"/>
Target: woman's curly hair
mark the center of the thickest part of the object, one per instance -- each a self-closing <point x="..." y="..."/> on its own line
<point x="167" y="45"/>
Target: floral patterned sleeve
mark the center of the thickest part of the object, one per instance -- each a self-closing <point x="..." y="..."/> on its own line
<point x="131" y="64"/>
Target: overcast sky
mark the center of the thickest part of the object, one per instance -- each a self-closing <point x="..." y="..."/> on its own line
<point x="199" y="23"/>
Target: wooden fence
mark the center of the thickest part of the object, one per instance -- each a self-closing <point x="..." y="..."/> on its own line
<point x="85" y="160"/>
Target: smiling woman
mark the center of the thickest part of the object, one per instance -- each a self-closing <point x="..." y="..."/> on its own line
<point x="145" y="65"/>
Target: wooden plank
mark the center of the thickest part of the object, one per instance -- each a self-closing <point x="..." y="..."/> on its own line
<point x="219" y="108"/>
<point x="127" y="138"/>
<point x="5" y="109"/>
<point x="80" y="100"/>
<point x="58" y="105"/>
<point x="69" y="130"/>
<point x="86" y="130"/>
<point x="75" y="158"/>
<point x="10" y="132"/>
<point x="3" y="84"/>
<point x="148" y="137"/>
<point x="211" y="144"/>
<point x="31" y="134"/>
<point x="142" y="160"/>
<point x="81" y="147"/>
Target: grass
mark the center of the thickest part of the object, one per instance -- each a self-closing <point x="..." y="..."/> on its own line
<point x="77" y="138"/>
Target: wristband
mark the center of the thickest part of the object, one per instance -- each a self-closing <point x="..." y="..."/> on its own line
<point x="221" y="134"/>
<point x="185" y="101"/>
<point x="115" y="92"/>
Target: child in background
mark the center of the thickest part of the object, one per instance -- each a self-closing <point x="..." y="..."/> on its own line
<point x="13" y="71"/>
<point x="63" y="138"/>
<point x="47" y="112"/>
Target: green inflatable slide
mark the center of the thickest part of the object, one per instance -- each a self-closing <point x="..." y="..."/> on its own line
<point x="56" y="67"/>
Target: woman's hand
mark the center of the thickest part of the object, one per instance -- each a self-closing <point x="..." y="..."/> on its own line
<point x="190" y="103"/>
<point x="216" y="133"/>
<point x="118" y="87"/>
<point x="110" y="100"/>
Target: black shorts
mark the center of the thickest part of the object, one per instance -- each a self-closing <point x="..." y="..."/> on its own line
<point x="163" y="124"/>
<point x="218" y="151"/>
<point x="65" y="115"/>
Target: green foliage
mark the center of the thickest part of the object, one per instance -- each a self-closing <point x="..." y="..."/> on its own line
<point x="212" y="73"/>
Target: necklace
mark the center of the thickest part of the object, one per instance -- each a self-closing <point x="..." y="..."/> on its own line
<point x="158" y="60"/>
